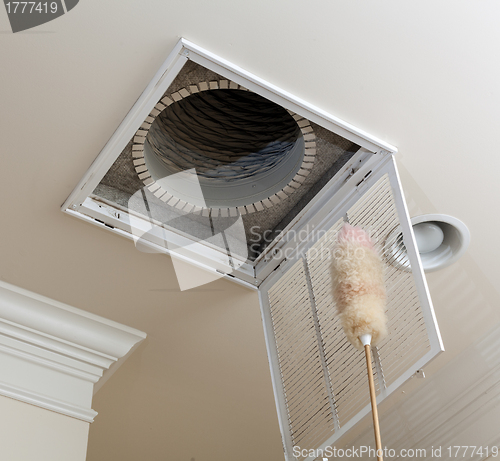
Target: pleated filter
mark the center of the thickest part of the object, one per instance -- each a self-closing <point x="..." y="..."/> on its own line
<point x="319" y="377"/>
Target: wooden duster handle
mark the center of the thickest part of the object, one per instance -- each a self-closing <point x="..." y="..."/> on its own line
<point x="373" y="398"/>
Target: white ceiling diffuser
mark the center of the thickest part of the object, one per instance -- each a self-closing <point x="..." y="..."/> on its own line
<point x="441" y="241"/>
<point x="299" y="184"/>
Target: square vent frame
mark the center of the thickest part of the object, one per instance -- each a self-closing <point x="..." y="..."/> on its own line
<point x="249" y="273"/>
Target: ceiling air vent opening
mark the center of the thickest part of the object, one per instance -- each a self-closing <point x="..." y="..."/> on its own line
<point x="243" y="147"/>
<point x="441" y="241"/>
<point x="251" y="157"/>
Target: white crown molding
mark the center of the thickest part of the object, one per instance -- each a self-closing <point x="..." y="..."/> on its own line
<point x="56" y="356"/>
<point x="48" y="403"/>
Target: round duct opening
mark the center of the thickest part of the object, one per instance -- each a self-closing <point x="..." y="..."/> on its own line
<point x="242" y="147"/>
<point x="441" y="241"/>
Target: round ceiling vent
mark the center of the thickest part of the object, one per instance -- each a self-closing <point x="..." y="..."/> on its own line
<point x="241" y="148"/>
<point x="441" y="241"/>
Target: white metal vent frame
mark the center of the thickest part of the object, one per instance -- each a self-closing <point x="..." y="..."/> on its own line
<point x="81" y="205"/>
<point x="338" y="205"/>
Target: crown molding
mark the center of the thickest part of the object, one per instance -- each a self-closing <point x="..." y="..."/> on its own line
<point x="56" y="356"/>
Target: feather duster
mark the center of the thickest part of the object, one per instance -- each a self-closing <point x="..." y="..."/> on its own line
<point x="358" y="286"/>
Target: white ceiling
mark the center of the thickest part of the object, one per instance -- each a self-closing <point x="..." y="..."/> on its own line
<point x="420" y="75"/>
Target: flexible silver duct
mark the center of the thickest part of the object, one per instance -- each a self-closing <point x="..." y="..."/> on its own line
<point x="224" y="134"/>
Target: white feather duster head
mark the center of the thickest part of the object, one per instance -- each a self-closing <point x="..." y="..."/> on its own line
<point x="358" y="286"/>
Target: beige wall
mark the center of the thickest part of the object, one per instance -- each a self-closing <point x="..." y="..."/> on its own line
<point x="29" y="433"/>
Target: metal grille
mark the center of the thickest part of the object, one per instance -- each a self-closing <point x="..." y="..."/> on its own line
<point x="309" y="410"/>
<point x="407" y="340"/>
<point x="323" y="378"/>
<point x="346" y="366"/>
